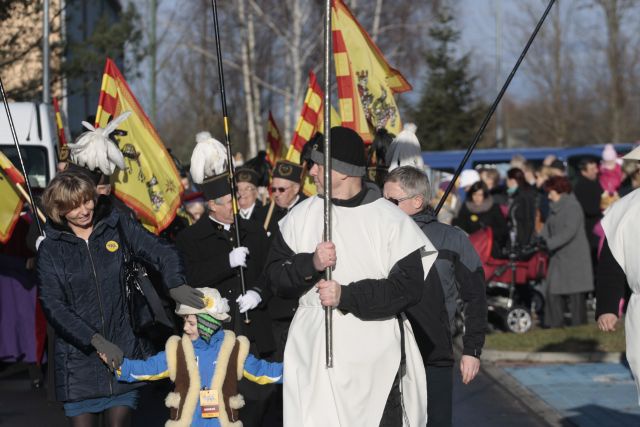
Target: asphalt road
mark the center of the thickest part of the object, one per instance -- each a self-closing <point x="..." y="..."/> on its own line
<point x="487" y="401"/>
<point x="484" y="402"/>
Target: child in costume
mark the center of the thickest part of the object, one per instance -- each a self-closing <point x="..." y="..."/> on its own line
<point x="205" y="366"/>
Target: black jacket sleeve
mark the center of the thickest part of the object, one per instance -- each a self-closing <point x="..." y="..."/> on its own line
<point x="611" y="283"/>
<point x="156" y="251"/>
<point x="289" y="275"/>
<point x="371" y="299"/>
<point x="58" y="311"/>
<point x="470" y="276"/>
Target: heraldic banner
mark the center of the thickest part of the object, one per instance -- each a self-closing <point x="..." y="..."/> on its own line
<point x="150" y="183"/>
<point x="366" y="82"/>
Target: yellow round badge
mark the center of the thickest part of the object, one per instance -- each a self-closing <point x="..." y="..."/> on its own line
<point x="474" y="218"/>
<point x="112" y="246"/>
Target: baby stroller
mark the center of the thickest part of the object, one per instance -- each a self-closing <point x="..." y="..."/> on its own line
<point x="513" y="284"/>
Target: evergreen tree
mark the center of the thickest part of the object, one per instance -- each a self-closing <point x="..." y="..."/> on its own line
<point x="448" y="112"/>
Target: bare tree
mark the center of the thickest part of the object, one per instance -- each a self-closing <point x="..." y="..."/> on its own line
<point x="550" y="68"/>
<point x="269" y="46"/>
<point x="615" y="12"/>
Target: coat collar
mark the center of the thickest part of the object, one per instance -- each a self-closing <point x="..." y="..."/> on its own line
<point x="427" y="216"/>
<point x="565" y="199"/>
<point x="205" y="228"/>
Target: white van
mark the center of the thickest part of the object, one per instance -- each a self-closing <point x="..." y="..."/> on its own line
<point x="36" y="130"/>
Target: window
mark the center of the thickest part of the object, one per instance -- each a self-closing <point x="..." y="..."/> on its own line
<point x="35" y="161"/>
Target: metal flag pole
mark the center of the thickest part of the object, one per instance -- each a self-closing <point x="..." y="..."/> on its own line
<point x="227" y="141"/>
<point x="34" y="208"/>
<point x="328" y="311"/>
<point x="480" y="131"/>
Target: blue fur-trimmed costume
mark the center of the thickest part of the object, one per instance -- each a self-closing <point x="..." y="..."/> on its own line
<point x="192" y="365"/>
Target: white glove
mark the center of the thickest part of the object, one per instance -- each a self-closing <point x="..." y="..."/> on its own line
<point x="39" y="240"/>
<point x="238" y="257"/>
<point x="248" y="301"/>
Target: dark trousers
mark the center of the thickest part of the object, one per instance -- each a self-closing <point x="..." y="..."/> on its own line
<point x="439" y="395"/>
<point x="393" y="412"/>
<point x="555" y="306"/>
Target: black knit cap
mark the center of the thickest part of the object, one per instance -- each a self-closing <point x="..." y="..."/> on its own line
<point x="247" y="175"/>
<point x="215" y="186"/>
<point x="287" y="170"/>
<point x="347" y="152"/>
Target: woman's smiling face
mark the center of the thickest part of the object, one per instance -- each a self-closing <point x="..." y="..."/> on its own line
<point x="82" y="216"/>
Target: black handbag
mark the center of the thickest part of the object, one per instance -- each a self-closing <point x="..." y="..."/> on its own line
<point x="142" y="302"/>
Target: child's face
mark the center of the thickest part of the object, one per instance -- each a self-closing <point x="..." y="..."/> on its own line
<point x="191" y="327"/>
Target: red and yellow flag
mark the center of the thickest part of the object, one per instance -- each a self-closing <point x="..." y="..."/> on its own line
<point x="10" y="203"/>
<point x="366" y="82"/>
<point x="311" y="121"/>
<point x="276" y="149"/>
<point x="311" y="118"/>
<point x="63" y="150"/>
<point x="150" y="183"/>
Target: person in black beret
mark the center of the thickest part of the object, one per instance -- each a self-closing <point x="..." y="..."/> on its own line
<point x="247" y="187"/>
<point x="383" y="260"/>
<point x="285" y="191"/>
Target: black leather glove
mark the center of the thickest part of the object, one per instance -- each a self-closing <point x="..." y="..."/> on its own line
<point x="112" y="352"/>
<point x="185" y="294"/>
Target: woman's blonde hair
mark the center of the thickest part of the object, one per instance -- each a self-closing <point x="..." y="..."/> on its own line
<point x="67" y="191"/>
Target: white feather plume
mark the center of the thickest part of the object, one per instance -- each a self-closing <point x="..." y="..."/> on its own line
<point x="405" y="149"/>
<point x="94" y="150"/>
<point x="209" y="158"/>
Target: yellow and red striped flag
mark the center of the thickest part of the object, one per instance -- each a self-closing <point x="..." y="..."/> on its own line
<point x="311" y="118"/>
<point x="150" y="183"/>
<point x="10" y="203"/>
<point x="311" y="121"/>
<point x="63" y="149"/>
<point x="276" y="149"/>
<point x="366" y="82"/>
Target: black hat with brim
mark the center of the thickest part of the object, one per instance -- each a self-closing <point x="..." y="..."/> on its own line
<point x="347" y="152"/>
<point x="288" y="170"/>
<point x="247" y="175"/>
<point x="215" y="186"/>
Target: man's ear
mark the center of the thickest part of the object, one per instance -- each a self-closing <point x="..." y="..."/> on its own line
<point x="211" y="205"/>
<point x="418" y="202"/>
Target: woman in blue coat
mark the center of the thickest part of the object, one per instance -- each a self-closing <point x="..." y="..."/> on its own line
<point x="78" y="266"/>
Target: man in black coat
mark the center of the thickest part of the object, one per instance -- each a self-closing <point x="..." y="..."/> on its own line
<point x="588" y="192"/>
<point x="213" y="259"/>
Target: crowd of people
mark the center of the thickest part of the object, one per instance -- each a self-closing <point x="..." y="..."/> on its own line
<point x="542" y="207"/>
<point x="251" y="301"/>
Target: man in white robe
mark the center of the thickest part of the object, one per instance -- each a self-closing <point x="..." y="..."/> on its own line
<point x="373" y="242"/>
<point x="619" y="267"/>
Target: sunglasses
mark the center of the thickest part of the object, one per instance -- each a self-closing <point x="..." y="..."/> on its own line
<point x="279" y="189"/>
<point x="397" y="201"/>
